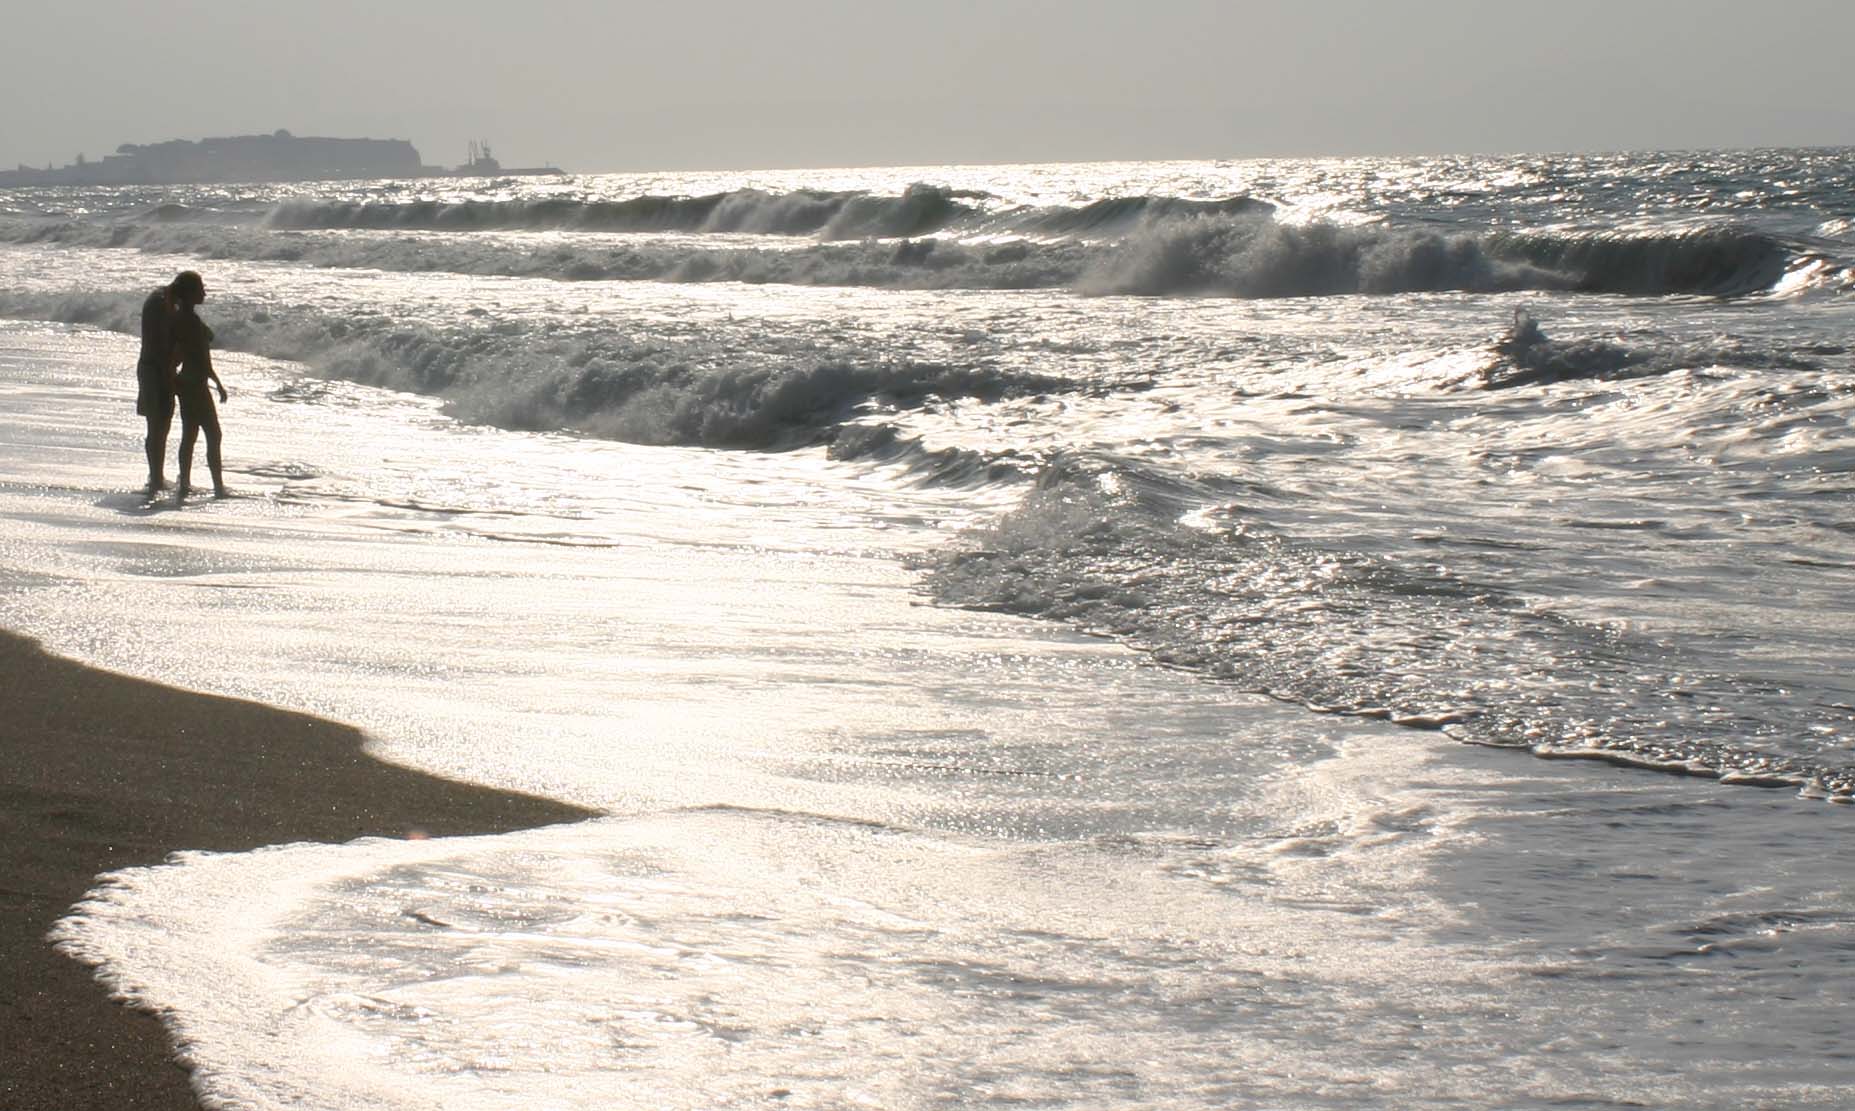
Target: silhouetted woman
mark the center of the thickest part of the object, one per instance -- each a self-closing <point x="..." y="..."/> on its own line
<point x="193" y="341"/>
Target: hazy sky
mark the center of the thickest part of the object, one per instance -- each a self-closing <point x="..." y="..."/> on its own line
<point x="734" y="83"/>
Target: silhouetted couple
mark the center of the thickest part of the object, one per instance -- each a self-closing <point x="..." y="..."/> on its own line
<point x="173" y="336"/>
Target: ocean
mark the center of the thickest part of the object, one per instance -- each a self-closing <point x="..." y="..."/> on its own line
<point x="1340" y="633"/>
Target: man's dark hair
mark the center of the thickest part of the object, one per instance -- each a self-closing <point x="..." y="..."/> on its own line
<point x="187" y="281"/>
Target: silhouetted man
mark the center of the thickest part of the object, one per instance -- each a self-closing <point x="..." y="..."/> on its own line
<point x="154" y="378"/>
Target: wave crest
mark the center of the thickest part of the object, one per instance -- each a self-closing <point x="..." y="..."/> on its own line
<point x="617" y="384"/>
<point x="1170" y="248"/>
<point x="1207" y="256"/>
<point x="1256" y="259"/>
<point x="1120" y="215"/>
<point x="843" y="215"/>
<point x="1721" y="261"/>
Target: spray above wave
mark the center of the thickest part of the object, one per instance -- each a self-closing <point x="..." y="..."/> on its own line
<point x="638" y="385"/>
<point x="1123" y="551"/>
<point x="1526" y="356"/>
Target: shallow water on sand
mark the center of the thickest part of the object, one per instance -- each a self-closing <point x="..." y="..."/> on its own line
<point x="929" y="717"/>
<point x="862" y="851"/>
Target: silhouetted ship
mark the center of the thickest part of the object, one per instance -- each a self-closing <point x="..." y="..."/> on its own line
<point x="484" y="164"/>
<point x="279" y="156"/>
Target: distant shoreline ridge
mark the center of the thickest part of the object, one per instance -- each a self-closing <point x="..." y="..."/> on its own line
<point x="278" y="156"/>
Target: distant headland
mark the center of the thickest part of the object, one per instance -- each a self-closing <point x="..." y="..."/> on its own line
<point x="279" y="156"/>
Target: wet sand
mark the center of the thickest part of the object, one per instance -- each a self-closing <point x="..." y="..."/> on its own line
<point x="100" y="771"/>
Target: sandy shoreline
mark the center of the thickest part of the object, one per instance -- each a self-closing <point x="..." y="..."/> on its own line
<point x="100" y="771"/>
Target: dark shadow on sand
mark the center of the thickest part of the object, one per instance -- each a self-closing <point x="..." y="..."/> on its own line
<point x="98" y="772"/>
<point x="135" y="503"/>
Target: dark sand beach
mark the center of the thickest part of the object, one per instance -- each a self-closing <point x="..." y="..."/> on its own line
<point x="99" y="771"/>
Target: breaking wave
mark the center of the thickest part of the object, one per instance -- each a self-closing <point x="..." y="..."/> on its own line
<point x="1122" y="551"/>
<point x="621" y="384"/>
<point x="932" y="237"/>
<point x="1723" y="261"/>
<point x="920" y="210"/>
<point x="1120" y="215"/>
<point x="1260" y="258"/>
<point x="942" y="467"/>
<point x="887" y="264"/>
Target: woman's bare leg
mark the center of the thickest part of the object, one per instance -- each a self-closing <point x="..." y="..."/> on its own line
<point x="213" y="463"/>
<point x="189" y="432"/>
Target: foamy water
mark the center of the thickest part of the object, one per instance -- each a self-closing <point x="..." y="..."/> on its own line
<point x="1002" y="689"/>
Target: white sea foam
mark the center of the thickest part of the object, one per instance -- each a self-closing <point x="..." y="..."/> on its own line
<point x="863" y="846"/>
<point x="711" y="956"/>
